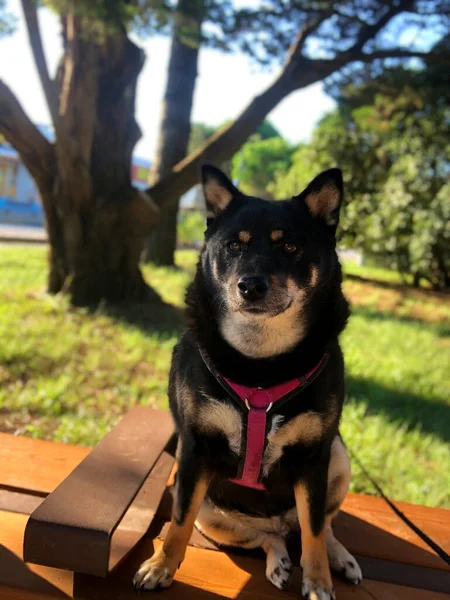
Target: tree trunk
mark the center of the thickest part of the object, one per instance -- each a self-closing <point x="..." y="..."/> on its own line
<point x="96" y="220"/>
<point x="100" y="211"/>
<point x="161" y="243"/>
<point x="176" y="123"/>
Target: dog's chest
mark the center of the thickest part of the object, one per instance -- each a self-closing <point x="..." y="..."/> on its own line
<point x="224" y="419"/>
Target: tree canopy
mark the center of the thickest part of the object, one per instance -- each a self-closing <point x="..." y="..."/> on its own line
<point x="319" y="41"/>
<point x="391" y="136"/>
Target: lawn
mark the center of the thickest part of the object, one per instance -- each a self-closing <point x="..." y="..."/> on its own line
<point x="68" y="374"/>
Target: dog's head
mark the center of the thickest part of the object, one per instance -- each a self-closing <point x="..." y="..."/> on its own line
<point x="265" y="262"/>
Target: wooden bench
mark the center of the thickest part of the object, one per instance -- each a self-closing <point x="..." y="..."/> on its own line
<point x="84" y="520"/>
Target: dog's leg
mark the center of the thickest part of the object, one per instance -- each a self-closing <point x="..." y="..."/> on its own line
<point x="310" y="498"/>
<point x="341" y="561"/>
<point x="190" y="490"/>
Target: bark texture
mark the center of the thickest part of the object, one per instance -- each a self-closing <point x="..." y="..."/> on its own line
<point x="175" y="123"/>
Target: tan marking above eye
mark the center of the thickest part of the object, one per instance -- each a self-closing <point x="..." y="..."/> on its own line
<point x="276" y="235"/>
<point x="244" y="237"/>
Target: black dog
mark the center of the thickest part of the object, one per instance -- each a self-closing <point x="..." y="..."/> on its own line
<point x="257" y="387"/>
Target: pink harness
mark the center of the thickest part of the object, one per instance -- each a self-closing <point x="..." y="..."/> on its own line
<point x="259" y="403"/>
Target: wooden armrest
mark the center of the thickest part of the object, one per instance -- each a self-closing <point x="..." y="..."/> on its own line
<point x="91" y="521"/>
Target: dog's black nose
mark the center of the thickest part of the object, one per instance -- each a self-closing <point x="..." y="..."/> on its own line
<point x="253" y="288"/>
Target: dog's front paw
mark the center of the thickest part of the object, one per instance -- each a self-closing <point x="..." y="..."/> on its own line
<point x="343" y="563"/>
<point x="156" y="572"/>
<point x="279" y="573"/>
<point x="317" y="590"/>
<point x="349" y="570"/>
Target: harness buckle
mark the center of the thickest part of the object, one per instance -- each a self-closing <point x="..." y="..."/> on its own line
<point x="249" y="408"/>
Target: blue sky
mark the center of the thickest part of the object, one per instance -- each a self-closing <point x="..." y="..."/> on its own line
<point x="225" y="85"/>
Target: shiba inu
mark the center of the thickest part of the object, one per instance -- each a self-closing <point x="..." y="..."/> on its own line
<point x="257" y="387"/>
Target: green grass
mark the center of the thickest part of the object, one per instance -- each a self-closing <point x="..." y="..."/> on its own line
<point x="68" y="375"/>
<point x="376" y="273"/>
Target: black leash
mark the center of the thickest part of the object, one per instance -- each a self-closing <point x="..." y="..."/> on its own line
<point x="431" y="543"/>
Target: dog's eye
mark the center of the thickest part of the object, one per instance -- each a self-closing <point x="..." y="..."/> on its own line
<point x="290" y="247"/>
<point x="235" y="246"/>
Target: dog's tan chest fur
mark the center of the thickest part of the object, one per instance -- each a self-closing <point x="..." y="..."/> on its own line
<point x="305" y="428"/>
<point x="218" y="417"/>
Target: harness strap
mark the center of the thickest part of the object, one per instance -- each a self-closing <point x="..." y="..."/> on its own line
<point x="256" y="439"/>
<point x="259" y="402"/>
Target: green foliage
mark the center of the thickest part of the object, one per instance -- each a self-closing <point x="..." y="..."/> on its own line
<point x="259" y="162"/>
<point x="74" y="386"/>
<point x="191" y="227"/>
<point x="266" y="130"/>
<point x="102" y="17"/>
<point x="200" y="132"/>
<point x="392" y="139"/>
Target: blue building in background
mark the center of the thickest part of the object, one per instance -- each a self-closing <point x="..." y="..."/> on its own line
<point x="19" y="197"/>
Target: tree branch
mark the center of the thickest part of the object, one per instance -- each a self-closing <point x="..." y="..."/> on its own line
<point x="34" y="36"/>
<point x="297" y="73"/>
<point x="307" y="30"/>
<point x="368" y="32"/>
<point x="435" y="58"/>
<point x="35" y="150"/>
<point x="350" y="18"/>
<point x="227" y="141"/>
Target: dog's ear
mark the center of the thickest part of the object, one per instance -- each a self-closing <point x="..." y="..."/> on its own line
<point x="218" y="190"/>
<point x="323" y="197"/>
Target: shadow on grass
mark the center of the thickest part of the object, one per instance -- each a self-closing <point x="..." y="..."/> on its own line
<point x="153" y="316"/>
<point x="441" y="327"/>
<point x="403" y="407"/>
<point x="28" y="363"/>
<point x="400" y="287"/>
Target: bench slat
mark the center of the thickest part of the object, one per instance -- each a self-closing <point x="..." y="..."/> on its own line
<point x="19" y="502"/>
<point x="72" y="528"/>
<point x="35" y="465"/>
<point x="369" y="527"/>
